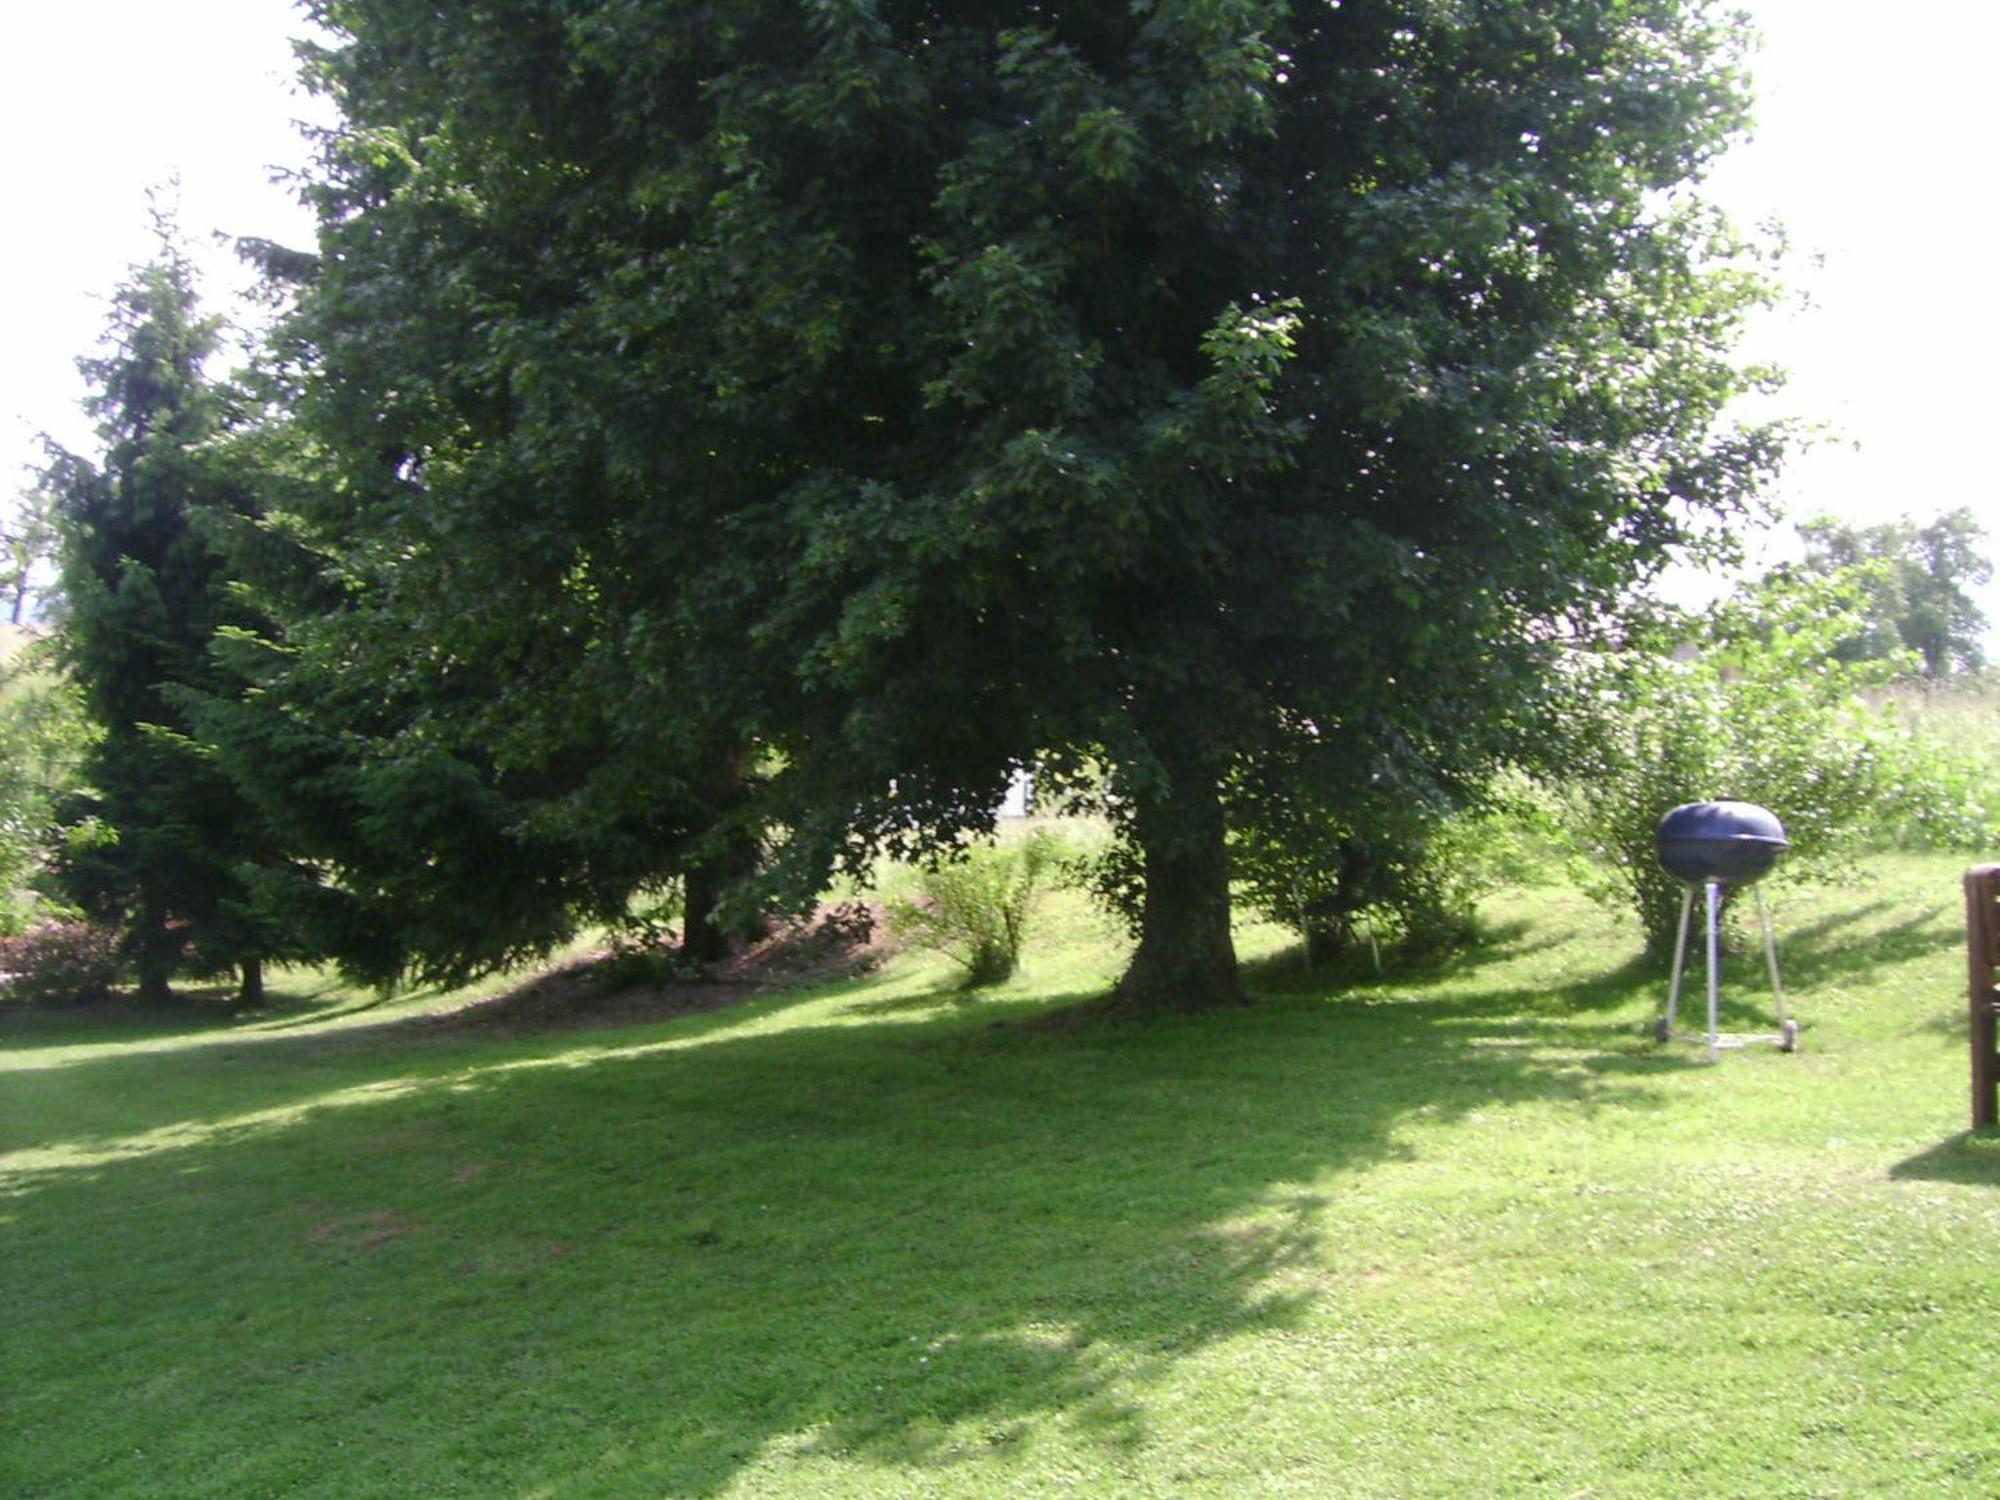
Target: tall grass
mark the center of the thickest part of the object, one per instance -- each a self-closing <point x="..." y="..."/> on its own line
<point x="1961" y="712"/>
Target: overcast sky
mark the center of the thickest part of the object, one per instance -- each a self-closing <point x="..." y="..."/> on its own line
<point x="1873" y="146"/>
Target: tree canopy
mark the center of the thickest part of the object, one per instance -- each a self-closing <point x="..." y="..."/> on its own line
<point x="1918" y="579"/>
<point x="779" y="421"/>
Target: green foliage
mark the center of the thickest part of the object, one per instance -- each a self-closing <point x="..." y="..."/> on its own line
<point x="1406" y="877"/>
<point x="27" y="551"/>
<point x="1959" y="712"/>
<point x="635" y="965"/>
<point x="975" y="909"/>
<point x="643" y="953"/>
<point x="44" y="736"/>
<point x="1917" y="583"/>
<point x="1754" y="705"/>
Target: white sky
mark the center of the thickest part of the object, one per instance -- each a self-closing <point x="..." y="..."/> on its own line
<point x="1874" y="148"/>
<point x="99" y="101"/>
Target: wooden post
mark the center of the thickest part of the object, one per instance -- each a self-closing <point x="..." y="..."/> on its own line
<point x="1982" y="950"/>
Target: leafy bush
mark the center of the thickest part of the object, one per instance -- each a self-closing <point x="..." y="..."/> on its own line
<point x="1754" y="706"/>
<point x="975" y="909"/>
<point x="63" y="962"/>
<point x="43" y="732"/>
<point x="1403" y="873"/>
<point x="634" y="965"/>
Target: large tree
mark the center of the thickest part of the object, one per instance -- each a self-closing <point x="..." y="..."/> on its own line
<point x="1227" y="393"/>
<point x="147" y="594"/>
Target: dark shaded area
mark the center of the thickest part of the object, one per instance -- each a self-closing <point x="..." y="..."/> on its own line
<point x="843" y="943"/>
<point x="195" y="1011"/>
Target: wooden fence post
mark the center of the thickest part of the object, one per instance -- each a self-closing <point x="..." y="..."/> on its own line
<point x="1982" y="951"/>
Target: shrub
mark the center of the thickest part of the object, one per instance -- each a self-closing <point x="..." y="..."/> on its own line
<point x="1755" y="708"/>
<point x="975" y="909"/>
<point x="1404" y="874"/>
<point x="59" y="962"/>
<point x="42" y="733"/>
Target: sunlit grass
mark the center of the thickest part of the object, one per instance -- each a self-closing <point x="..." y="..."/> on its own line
<point x="1459" y="1231"/>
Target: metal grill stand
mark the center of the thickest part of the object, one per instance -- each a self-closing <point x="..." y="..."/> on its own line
<point x="1787" y="1034"/>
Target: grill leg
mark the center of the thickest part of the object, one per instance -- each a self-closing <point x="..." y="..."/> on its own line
<point x="1771" y="954"/>
<point x="1714" y="890"/>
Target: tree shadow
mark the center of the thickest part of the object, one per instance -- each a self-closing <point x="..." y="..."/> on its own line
<point x="1830" y="949"/>
<point x="195" y="1012"/>
<point x="638" y="1264"/>
<point x="921" y="1001"/>
<point x="1288" y="971"/>
<point x="146" y="1096"/>
<point x="1972" y="1159"/>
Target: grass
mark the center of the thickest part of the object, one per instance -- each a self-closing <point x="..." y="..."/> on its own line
<point x="1446" y="1233"/>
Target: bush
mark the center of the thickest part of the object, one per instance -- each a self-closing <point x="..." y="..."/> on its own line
<point x="42" y="733"/>
<point x="1392" y="854"/>
<point x="975" y="909"/>
<point x="1754" y="708"/>
<point x="1409" y="878"/>
<point x="59" y="962"/>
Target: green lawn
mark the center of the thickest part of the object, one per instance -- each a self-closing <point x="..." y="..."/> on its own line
<point x="1456" y="1233"/>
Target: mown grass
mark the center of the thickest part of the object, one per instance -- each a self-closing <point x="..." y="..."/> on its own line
<point x="1443" y="1233"/>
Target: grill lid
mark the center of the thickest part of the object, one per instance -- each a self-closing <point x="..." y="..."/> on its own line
<point x="1731" y="842"/>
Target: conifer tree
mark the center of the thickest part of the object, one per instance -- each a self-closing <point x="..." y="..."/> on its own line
<point x="160" y="835"/>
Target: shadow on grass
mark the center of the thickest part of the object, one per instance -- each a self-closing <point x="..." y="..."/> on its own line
<point x="614" y="1264"/>
<point x="1288" y="971"/>
<point x="1972" y="1159"/>
<point x="1843" y="946"/>
<point x="922" y="1001"/>
<point x="124" y="1090"/>
<point x="193" y="1013"/>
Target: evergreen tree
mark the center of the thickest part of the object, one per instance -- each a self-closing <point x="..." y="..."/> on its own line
<point x="1227" y="392"/>
<point x="146" y="595"/>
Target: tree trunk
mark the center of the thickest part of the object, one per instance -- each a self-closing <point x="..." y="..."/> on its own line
<point x="1186" y="959"/>
<point x="251" y="991"/>
<point x="154" y="954"/>
<point x="705" y="936"/>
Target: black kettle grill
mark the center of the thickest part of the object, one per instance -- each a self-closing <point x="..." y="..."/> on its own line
<point x="1717" y="846"/>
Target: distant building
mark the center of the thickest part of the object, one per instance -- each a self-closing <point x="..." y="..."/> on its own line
<point x="1020" y="799"/>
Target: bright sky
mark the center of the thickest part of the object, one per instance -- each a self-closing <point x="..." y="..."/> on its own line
<point x="1874" y="148"/>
